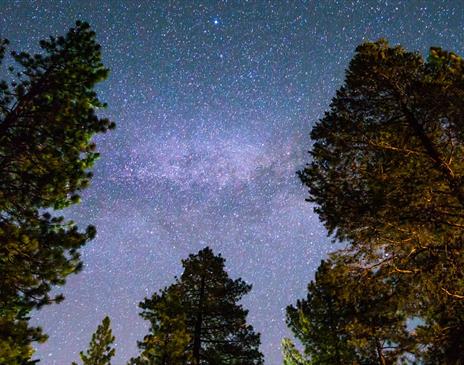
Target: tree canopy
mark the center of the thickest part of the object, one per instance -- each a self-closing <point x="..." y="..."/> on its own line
<point x="197" y="320"/>
<point x="386" y="176"/>
<point x="47" y="121"/>
<point x="100" y="349"/>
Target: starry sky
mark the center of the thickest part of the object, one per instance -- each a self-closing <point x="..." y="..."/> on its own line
<point x="213" y="101"/>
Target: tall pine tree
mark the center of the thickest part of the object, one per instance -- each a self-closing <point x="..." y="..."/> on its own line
<point x="47" y="120"/>
<point x="387" y="176"/>
<point x="206" y="325"/>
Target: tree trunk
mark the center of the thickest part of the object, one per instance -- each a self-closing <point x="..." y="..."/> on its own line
<point x="382" y="360"/>
<point x="454" y="182"/>
<point x="198" y="323"/>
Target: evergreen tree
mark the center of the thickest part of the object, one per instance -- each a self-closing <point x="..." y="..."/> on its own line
<point x="47" y="119"/>
<point x="319" y="321"/>
<point x="100" y="351"/>
<point x="387" y="176"/>
<point x="206" y="325"/>
<point x="350" y="317"/>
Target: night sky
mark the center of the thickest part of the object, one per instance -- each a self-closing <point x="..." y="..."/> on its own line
<point x="213" y="101"/>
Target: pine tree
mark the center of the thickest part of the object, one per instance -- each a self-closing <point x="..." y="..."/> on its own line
<point x="210" y="327"/>
<point x="387" y="176"/>
<point x="100" y="349"/>
<point x="350" y="317"/>
<point x="47" y="119"/>
<point x="319" y="321"/>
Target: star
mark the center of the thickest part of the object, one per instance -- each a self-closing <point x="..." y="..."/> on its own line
<point x="191" y="165"/>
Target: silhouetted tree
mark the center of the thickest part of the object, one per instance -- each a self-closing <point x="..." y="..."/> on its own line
<point x="47" y="119"/>
<point x="100" y="349"/>
<point x="387" y="176"/>
<point x="319" y="321"/>
<point x="350" y="316"/>
<point x="206" y="324"/>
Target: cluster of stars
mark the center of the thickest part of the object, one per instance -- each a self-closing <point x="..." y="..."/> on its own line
<point x="213" y="101"/>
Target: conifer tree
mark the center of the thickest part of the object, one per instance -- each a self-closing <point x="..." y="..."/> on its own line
<point x="350" y="317"/>
<point x="387" y="176"/>
<point x="100" y="349"/>
<point x="47" y="119"/>
<point x="206" y="324"/>
<point x="319" y="321"/>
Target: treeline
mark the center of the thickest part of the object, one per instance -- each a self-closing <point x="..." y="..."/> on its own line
<point x="385" y="176"/>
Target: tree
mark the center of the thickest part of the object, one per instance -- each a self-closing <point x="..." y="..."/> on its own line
<point x="319" y="321"/>
<point x="387" y="176"/>
<point x="200" y="317"/>
<point x="350" y="317"/>
<point x="100" y="351"/>
<point x="47" y="120"/>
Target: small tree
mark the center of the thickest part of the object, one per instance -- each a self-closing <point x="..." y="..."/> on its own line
<point x="100" y="349"/>
<point x="319" y="321"/>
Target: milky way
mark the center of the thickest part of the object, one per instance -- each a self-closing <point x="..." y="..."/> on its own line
<point x="213" y="102"/>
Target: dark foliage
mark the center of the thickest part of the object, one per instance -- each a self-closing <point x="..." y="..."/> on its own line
<point x="47" y="119"/>
<point x="197" y="319"/>
<point x="387" y="177"/>
<point x="100" y="349"/>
